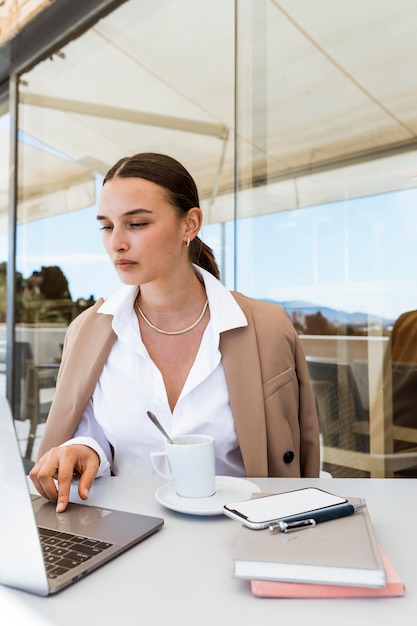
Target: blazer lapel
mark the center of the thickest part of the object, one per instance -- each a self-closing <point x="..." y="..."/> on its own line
<point x="242" y="370"/>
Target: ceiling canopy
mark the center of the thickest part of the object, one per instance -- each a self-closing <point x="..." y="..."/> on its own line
<point x="326" y="86"/>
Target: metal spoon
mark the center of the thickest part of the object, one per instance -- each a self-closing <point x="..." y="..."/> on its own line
<point x="158" y="424"/>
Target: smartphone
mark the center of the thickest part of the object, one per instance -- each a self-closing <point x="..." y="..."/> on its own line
<point x="262" y="511"/>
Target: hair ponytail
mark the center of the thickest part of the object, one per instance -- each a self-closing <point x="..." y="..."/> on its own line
<point x="202" y="255"/>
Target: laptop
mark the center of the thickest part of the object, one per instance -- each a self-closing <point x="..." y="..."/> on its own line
<point x="42" y="551"/>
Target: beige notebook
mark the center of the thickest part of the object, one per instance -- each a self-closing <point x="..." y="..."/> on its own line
<point x="339" y="552"/>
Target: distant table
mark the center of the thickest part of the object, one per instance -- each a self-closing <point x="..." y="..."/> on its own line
<point x="182" y="575"/>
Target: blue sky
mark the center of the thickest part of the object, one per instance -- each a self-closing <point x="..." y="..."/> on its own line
<point x="359" y="255"/>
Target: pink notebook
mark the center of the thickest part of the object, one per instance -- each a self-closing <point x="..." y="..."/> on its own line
<point x="278" y="589"/>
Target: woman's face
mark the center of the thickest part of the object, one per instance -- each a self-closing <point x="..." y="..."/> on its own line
<point x="142" y="232"/>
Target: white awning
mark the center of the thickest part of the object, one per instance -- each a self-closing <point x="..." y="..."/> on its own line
<point x="339" y="93"/>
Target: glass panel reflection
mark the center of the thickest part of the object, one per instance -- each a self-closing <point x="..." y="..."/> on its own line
<point x="319" y="227"/>
<point x="77" y="118"/>
<point x="4" y="225"/>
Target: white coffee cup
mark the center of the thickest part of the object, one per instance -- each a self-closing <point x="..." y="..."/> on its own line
<point x="191" y="465"/>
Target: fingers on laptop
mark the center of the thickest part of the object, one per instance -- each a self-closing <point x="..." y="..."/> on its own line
<point x="54" y="473"/>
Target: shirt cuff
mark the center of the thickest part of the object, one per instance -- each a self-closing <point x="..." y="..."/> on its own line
<point x="104" y="467"/>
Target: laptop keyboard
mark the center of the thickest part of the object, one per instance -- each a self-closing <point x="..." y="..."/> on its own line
<point x="64" y="551"/>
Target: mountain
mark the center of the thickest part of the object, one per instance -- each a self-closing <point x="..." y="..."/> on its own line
<point x="298" y="309"/>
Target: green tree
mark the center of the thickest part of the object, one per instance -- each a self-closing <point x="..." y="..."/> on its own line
<point x="20" y="288"/>
<point x="317" y="324"/>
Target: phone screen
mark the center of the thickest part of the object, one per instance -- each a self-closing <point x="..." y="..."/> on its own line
<point x="265" y="509"/>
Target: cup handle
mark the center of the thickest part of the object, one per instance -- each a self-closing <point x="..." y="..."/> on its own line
<point x="155" y="456"/>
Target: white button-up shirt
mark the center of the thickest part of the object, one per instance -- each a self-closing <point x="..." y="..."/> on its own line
<point x="131" y="384"/>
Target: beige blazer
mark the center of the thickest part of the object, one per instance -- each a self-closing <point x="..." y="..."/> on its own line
<point x="267" y="379"/>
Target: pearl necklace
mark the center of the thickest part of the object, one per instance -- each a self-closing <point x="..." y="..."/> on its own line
<point x="171" y="332"/>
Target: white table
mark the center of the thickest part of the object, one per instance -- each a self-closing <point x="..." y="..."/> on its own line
<point x="181" y="576"/>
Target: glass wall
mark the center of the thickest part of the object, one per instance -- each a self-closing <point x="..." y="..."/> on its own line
<point x="112" y="92"/>
<point x="326" y="204"/>
<point x="4" y="226"/>
<point x="303" y="152"/>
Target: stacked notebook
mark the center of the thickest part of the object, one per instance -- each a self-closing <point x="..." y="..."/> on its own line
<point x="335" y="559"/>
<point x="276" y="589"/>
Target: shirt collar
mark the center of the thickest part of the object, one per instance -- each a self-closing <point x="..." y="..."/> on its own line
<point x="225" y="313"/>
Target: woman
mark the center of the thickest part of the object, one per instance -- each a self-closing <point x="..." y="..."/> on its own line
<point x="173" y="341"/>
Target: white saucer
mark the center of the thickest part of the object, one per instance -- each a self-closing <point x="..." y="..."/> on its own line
<point x="228" y="489"/>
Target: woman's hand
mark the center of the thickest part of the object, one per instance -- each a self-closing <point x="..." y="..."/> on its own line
<point x="61" y="464"/>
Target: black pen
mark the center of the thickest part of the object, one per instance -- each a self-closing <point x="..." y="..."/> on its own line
<point x="311" y="518"/>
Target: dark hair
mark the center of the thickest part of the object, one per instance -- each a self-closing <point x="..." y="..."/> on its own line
<point x="182" y="192"/>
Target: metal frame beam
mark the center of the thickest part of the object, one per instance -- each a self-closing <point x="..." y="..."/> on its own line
<point x="55" y="26"/>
